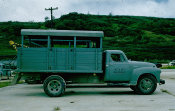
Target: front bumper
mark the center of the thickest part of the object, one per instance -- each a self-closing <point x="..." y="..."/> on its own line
<point x="162" y="81"/>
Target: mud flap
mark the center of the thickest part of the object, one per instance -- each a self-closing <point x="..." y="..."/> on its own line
<point x="16" y="79"/>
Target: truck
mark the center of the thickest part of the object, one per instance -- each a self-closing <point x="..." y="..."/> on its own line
<point x="5" y="71"/>
<point x="61" y="58"/>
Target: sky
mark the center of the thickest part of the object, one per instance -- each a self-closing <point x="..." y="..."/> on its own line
<point x="34" y="10"/>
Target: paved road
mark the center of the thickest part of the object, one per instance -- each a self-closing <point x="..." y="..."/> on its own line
<point x="24" y="97"/>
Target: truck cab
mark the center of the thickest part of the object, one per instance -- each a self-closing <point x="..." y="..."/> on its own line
<point x="117" y="66"/>
<point x="59" y="58"/>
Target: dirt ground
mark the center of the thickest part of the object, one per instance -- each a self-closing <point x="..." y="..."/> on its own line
<point x="24" y="97"/>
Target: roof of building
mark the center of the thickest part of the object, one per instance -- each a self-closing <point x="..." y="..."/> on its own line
<point x="62" y="33"/>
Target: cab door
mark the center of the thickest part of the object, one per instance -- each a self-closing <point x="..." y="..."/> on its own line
<point x="117" y="68"/>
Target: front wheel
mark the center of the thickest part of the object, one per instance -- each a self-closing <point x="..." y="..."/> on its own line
<point x="54" y="86"/>
<point x="146" y="85"/>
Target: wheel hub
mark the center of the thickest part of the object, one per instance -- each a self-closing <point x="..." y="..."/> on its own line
<point x="146" y="84"/>
<point x="54" y="86"/>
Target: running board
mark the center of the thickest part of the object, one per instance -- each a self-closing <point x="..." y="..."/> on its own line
<point x="108" y="85"/>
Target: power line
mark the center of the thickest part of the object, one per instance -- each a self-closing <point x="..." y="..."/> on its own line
<point x="51" y="12"/>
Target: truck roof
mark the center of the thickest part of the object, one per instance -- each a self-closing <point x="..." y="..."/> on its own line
<point x="62" y="33"/>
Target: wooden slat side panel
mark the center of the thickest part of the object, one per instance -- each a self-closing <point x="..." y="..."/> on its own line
<point x="34" y="59"/>
<point x="88" y="59"/>
<point x="61" y="59"/>
<point x="78" y="59"/>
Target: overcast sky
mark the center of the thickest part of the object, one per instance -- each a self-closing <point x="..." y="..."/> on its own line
<point x="33" y="10"/>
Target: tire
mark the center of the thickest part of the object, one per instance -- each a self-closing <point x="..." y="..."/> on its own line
<point x="54" y="86"/>
<point x="146" y="85"/>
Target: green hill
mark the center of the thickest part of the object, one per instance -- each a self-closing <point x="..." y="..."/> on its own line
<point x="141" y="38"/>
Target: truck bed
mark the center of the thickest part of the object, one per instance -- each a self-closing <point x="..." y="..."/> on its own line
<point x="64" y="60"/>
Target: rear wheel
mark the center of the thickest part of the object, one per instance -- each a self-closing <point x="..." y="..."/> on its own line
<point x="54" y="86"/>
<point x="146" y="85"/>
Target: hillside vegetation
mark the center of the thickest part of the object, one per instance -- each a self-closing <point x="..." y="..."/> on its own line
<point x="141" y="38"/>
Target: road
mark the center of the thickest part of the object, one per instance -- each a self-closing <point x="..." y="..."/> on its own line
<point x="24" y="97"/>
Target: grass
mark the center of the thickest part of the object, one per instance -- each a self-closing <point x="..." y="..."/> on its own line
<point x="8" y="83"/>
<point x="7" y="52"/>
<point x="157" y="61"/>
<point x="166" y="91"/>
<point x="4" y="84"/>
<point x="168" y="67"/>
<point x="57" y="109"/>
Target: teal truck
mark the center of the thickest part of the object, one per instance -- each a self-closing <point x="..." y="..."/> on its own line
<point x="60" y="58"/>
<point x="5" y="71"/>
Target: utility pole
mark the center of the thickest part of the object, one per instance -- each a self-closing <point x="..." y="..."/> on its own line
<point x="51" y="9"/>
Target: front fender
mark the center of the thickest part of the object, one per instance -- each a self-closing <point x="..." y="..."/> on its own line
<point x="144" y="70"/>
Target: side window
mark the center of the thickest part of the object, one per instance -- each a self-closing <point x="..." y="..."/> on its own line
<point x="82" y="44"/>
<point x="117" y="58"/>
<point x="62" y="42"/>
<point x="35" y="41"/>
